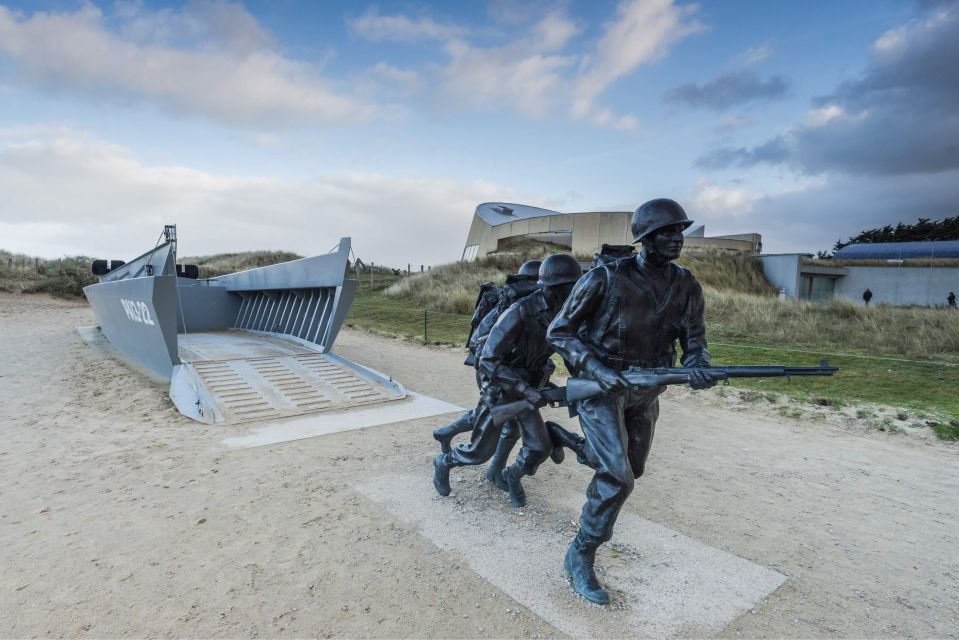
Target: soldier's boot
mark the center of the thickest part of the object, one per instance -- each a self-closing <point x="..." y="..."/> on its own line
<point x="579" y="568"/>
<point x="563" y="438"/>
<point x="517" y="495"/>
<point x="441" y="475"/>
<point x="444" y="435"/>
<point x="494" y="472"/>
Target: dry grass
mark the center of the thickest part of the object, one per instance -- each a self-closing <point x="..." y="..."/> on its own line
<point x="452" y="287"/>
<point x="67" y="276"/>
<point x="839" y="324"/>
<point x="727" y="270"/>
<point x="62" y="277"/>
<point x="223" y="263"/>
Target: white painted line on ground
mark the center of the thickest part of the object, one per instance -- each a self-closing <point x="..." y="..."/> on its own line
<point x="319" y="424"/>
<point x="663" y="583"/>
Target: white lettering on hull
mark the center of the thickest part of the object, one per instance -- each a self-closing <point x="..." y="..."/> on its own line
<point x="137" y="311"/>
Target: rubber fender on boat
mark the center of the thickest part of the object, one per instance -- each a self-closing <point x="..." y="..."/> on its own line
<point x="190" y="271"/>
<point x="103" y="267"/>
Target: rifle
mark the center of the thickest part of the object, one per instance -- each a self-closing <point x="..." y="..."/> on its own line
<point x="578" y="389"/>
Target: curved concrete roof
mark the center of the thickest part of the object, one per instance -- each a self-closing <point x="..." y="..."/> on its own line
<point x="497" y="213"/>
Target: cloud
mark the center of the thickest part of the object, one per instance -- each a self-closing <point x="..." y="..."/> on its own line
<point x="813" y="217"/>
<point x="109" y="204"/>
<point x="642" y="32"/>
<point x="729" y="90"/>
<point x="535" y="69"/>
<point x="524" y="73"/>
<point x="399" y="28"/>
<point x="899" y="116"/>
<point x="208" y="59"/>
<point x="756" y="54"/>
<point x="711" y="198"/>
<point x="772" y="152"/>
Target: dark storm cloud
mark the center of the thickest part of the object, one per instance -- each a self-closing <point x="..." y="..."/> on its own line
<point x="771" y="152"/>
<point x="813" y="219"/>
<point x="728" y="90"/>
<point x="900" y="116"/>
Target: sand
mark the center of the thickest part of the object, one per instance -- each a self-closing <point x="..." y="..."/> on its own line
<point x="120" y="517"/>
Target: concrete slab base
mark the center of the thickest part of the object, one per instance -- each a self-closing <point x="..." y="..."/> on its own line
<point x="663" y="583"/>
<point x="412" y="407"/>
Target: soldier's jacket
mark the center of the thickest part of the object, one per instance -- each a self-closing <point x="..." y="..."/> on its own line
<point x="485" y="302"/>
<point x="516" y="350"/>
<point x="508" y="294"/>
<point x="630" y="313"/>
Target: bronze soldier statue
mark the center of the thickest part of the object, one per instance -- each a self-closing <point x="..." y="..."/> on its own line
<point x="626" y="313"/>
<point x="517" y="286"/>
<point x="515" y="362"/>
<point x="485" y="301"/>
<point x="612" y="252"/>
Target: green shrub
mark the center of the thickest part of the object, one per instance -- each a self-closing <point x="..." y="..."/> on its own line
<point x="945" y="431"/>
<point x="66" y="278"/>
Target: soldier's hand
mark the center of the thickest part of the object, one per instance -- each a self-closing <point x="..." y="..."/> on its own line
<point x="609" y="380"/>
<point x="533" y="396"/>
<point x="700" y="379"/>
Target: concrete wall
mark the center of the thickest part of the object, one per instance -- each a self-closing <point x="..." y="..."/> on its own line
<point x="783" y="271"/>
<point x="592" y="230"/>
<point x="927" y="286"/>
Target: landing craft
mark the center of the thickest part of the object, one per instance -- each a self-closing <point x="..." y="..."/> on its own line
<point x="250" y="345"/>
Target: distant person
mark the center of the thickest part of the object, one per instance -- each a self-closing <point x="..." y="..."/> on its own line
<point x="951" y="299"/>
<point x="866" y="296"/>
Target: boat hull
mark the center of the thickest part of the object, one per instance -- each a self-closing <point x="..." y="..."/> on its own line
<point x="138" y="316"/>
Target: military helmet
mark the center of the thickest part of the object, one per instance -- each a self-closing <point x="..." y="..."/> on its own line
<point x="559" y="268"/>
<point x="656" y="214"/>
<point x="530" y="268"/>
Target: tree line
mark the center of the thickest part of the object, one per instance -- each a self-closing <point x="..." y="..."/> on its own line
<point x="924" y="230"/>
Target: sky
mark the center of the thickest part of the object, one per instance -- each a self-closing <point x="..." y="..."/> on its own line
<point x="286" y="125"/>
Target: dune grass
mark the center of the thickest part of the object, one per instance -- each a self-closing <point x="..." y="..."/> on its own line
<point x="727" y="271"/>
<point x="222" y="263"/>
<point x="453" y="287"/>
<point x="64" y="277"/>
<point x="834" y="325"/>
<point x="887" y="355"/>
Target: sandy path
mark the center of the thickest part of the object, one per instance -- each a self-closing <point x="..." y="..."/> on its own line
<point x="120" y="517"/>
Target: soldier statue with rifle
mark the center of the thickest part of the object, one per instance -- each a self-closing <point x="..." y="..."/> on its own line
<point x="490" y="303"/>
<point x="515" y="363"/>
<point x="627" y="313"/>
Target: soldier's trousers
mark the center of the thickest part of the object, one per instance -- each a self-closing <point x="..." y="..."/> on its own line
<point x="619" y="432"/>
<point x="486" y="435"/>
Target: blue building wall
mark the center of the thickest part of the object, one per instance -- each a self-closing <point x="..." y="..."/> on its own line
<point x="926" y="286"/>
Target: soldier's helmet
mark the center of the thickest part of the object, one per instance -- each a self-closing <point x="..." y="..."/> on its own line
<point x="530" y="268"/>
<point x="559" y="268"/>
<point x="656" y="214"/>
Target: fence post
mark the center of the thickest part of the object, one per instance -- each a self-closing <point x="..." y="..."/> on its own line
<point x="407" y="268"/>
<point x="371" y="275"/>
<point x="426" y="339"/>
<point x="421" y="268"/>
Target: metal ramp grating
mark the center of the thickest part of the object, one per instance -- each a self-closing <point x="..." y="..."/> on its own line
<point x="244" y="390"/>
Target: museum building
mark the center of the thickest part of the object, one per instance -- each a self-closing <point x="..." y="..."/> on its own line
<point x="497" y="225"/>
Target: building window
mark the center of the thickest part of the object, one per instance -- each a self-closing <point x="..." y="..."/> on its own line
<point x="469" y="253"/>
